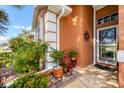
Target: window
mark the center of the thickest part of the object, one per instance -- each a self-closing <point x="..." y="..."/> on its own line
<point x="100" y="21"/>
<point x="114" y="16"/>
<point x="108" y="18"/>
<point x="107" y="52"/>
<point x="39" y="31"/>
<point x="107" y="36"/>
<point x="107" y="45"/>
<point x="37" y="35"/>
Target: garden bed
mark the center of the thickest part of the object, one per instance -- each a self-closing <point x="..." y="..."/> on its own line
<point x="53" y="83"/>
<point x="56" y="83"/>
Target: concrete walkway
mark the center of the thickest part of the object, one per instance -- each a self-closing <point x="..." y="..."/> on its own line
<point x="92" y="77"/>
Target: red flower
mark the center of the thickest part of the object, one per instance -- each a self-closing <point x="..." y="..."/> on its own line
<point x="65" y="57"/>
<point x="70" y="65"/>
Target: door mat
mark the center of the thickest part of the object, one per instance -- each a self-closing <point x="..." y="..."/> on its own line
<point x="100" y="66"/>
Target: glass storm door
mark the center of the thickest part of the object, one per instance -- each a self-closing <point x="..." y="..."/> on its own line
<point x="107" y="45"/>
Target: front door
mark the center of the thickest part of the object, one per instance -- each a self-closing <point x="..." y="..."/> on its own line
<point x="107" y="45"/>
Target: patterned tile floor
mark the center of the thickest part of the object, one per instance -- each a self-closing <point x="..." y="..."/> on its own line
<point x="92" y="77"/>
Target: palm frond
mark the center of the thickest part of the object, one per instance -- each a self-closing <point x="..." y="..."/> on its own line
<point x="3" y="21"/>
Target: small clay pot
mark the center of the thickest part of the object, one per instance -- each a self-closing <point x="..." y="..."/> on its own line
<point x="65" y="69"/>
<point x="73" y="58"/>
<point x="74" y="61"/>
<point x="58" y="72"/>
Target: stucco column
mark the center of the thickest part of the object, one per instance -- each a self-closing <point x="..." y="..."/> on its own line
<point x="121" y="44"/>
<point x="50" y="37"/>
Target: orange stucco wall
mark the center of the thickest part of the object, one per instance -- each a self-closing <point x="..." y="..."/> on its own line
<point x="121" y="44"/>
<point x="104" y="12"/>
<point x="71" y="34"/>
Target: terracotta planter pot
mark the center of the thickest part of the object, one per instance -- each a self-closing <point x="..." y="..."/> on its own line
<point x="58" y="72"/>
<point x="74" y="61"/>
<point x="65" y="69"/>
<point x="73" y="58"/>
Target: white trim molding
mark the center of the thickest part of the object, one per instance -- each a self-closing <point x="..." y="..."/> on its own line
<point x="94" y="35"/>
<point x="120" y="56"/>
<point x="98" y="7"/>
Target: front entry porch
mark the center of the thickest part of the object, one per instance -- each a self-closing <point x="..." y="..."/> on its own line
<point x="92" y="77"/>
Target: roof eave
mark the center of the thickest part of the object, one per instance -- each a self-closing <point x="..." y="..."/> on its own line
<point x="35" y="14"/>
<point x="38" y="7"/>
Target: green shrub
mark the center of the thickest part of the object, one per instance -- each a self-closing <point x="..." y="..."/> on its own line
<point x="4" y="56"/>
<point x="4" y="59"/>
<point x="1" y="63"/>
<point x="31" y="81"/>
<point x="26" y="55"/>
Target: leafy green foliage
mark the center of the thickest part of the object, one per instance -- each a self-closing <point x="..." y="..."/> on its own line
<point x="72" y="53"/>
<point x="3" y="21"/>
<point x="26" y="54"/>
<point x="57" y="55"/>
<point x="5" y="54"/>
<point x="31" y="81"/>
<point x="4" y="58"/>
<point x="1" y="64"/>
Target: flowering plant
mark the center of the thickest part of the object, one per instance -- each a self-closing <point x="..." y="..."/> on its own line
<point x="70" y="65"/>
<point x="65" y="59"/>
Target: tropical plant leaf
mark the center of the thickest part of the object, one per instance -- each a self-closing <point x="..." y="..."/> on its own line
<point x="3" y="21"/>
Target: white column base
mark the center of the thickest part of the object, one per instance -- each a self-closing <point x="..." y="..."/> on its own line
<point x="49" y="65"/>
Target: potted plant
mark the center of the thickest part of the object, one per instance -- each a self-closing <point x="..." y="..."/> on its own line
<point x="64" y="61"/>
<point x="70" y="68"/>
<point x="57" y="56"/>
<point x="73" y="56"/>
<point x="64" y="65"/>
